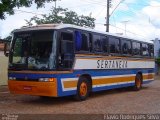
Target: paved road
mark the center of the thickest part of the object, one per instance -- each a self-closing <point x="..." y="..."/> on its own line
<point x="115" y="101"/>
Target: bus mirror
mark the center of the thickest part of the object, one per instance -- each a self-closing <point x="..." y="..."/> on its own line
<point x="6" y="49"/>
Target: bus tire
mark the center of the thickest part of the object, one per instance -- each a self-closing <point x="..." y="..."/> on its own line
<point x="83" y="89"/>
<point x="138" y="82"/>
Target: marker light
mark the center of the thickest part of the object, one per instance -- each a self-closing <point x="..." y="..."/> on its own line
<point x="46" y="79"/>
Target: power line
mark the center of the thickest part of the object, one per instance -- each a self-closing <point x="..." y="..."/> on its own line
<point x="99" y="12"/>
<point x="83" y="5"/>
<point x="80" y="5"/>
<point x="116" y="7"/>
<point x="130" y="12"/>
<point x="124" y="13"/>
<point x="124" y="30"/>
<point x="94" y="3"/>
<point x="128" y="31"/>
<point x="23" y="11"/>
<point x="115" y="22"/>
<point x="142" y="5"/>
<point x="104" y="2"/>
<point x="28" y="12"/>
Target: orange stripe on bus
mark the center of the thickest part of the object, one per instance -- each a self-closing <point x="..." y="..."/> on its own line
<point x="99" y="81"/>
<point x="70" y="84"/>
<point x="112" y="80"/>
<point x="149" y="76"/>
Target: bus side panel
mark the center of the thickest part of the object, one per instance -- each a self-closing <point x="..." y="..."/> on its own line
<point x="102" y="79"/>
<point x="66" y="91"/>
<point x="148" y="76"/>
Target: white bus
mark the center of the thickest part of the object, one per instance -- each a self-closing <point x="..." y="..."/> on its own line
<point x="61" y="60"/>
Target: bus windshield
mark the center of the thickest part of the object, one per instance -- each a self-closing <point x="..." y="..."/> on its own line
<point x="34" y="50"/>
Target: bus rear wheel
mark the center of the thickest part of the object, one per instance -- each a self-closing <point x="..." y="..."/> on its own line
<point x="82" y="89"/>
<point x="138" y="82"/>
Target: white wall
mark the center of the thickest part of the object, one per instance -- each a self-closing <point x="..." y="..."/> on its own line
<point x="3" y="69"/>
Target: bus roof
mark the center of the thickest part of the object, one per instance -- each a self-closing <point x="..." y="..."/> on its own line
<point x="61" y="26"/>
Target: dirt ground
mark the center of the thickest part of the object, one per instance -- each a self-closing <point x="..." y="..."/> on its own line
<point x="119" y="101"/>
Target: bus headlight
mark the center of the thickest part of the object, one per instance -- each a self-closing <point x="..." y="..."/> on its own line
<point x="46" y="79"/>
<point x="12" y="78"/>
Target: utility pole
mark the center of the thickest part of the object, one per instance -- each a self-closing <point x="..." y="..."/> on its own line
<point x="125" y="25"/>
<point x="107" y="17"/>
<point x="55" y="1"/>
<point x="55" y="4"/>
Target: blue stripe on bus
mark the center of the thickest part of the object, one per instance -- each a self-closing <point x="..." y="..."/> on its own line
<point x="74" y="74"/>
<point x="73" y="92"/>
<point x="148" y="81"/>
<point x="100" y="73"/>
<point x="113" y="86"/>
<point x="93" y="73"/>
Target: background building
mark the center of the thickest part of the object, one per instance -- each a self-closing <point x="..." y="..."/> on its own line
<point x="157" y="54"/>
<point x="157" y="48"/>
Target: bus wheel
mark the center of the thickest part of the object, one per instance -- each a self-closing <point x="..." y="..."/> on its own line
<point x="82" y="89"/>
<point x="138" y="82"/>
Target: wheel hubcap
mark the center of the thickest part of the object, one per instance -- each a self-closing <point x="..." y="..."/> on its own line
<point x="138" y="83"/>
<point x="83" y="89"/>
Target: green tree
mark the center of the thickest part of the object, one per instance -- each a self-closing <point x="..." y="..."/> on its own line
<point x="7" y="6"/>
<point x="61" y="15"/>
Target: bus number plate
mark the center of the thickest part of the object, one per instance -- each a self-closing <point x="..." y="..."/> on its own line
<point x="27" y="88"/>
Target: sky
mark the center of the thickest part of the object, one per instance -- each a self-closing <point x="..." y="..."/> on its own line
<point x="138" y="19"/>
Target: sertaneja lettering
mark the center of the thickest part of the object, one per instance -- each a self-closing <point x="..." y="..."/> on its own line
<point x="98" y="63"/>
<point x="111" y="64"/>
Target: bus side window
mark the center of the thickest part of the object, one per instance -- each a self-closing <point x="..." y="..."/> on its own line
<point x="67" y="50"/>
<point x="81" y="41"/>
<point x="136" y="48"/>
<point x="97" y="43"/>
<point x="151" y="49"/>
<point x="90" y="42"/>
<point x="114" y="45"/>
<point x="145" y="50"/>
<point x="126" y="47"/>
<point x="85" y="42"/>
<point x="104" y="44"/>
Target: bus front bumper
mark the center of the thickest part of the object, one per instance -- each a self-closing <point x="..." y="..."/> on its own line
<point x="33" y="88"/>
